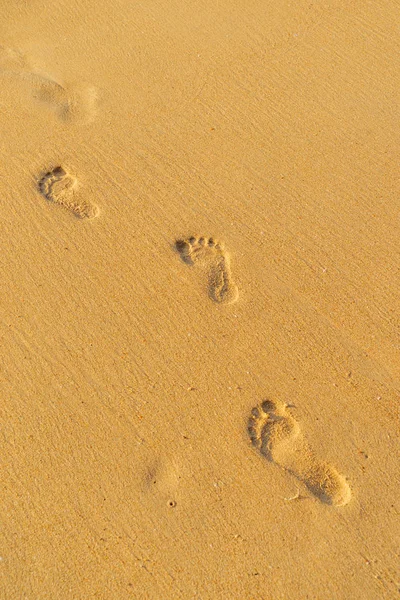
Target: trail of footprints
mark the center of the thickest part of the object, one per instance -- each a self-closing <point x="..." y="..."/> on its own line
<point x="72" y="102"/>
<point x="211" y="258"/>
<point x="272" y="429"/>
<point x="277" y="435"/>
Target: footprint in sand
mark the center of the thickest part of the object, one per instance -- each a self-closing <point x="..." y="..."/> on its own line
<point x="59" y="186"/>
<point x="212" y="258"/>
<point x="73" y="102"/>
<point x="277" y="435"/>
<point x="13" y="59"/>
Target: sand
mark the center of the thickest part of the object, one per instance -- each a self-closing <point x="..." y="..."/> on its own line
<point x="200" y="307"/>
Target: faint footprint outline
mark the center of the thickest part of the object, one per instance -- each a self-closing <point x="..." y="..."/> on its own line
<point x="59" y="186"/>
<point x="277" y="435"/>
<point x="74" y="102"/>
<point x="212" y="255"/>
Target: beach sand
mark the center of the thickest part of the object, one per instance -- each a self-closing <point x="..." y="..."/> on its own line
<point x="200" y="307"/>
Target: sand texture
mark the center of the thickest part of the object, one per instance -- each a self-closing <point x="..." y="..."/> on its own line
<point x="200" y="300"/>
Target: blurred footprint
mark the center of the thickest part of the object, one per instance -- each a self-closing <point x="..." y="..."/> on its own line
<point x="12" y="59"/>
<point x="73" y="102"/>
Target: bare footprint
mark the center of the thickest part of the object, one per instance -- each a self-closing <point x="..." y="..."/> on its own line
<point x="73" y="102"/>
<point x="59" y="186"/>
<point x="212" y="257"/>
<point x="13" y="59"/>
<point x="277" y="435"/>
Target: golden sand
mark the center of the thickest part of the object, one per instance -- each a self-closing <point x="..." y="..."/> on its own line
<point x="200" y="300"/>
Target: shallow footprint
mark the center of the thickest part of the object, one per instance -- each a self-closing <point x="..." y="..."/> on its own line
<point x="73" y="102"/>
<point x="76" y="103"/>
<point x="211" y="255"/>
<point x="59" y="186"/>
<point x="12" y="59"/>
<point x="277" y="435"/>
